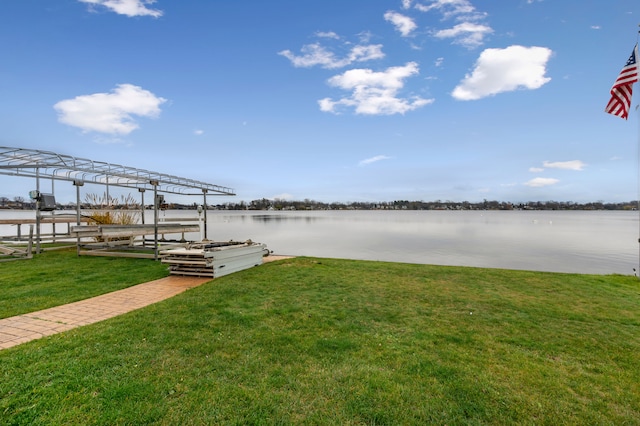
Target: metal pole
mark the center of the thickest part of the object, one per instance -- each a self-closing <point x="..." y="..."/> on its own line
<point x="204" y="206"/>
<point x="155" y="219"/>
<point x="38" y="211"/>
<point x="78" y="184"/>
<point x="142" y="208"/>
<point x="637" y="271"/>
<point x="141" y="190"/>
<point x="200" y="225"/>
<point x="53" y="220"/>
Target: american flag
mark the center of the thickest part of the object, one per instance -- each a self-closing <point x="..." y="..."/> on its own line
<point x="622" y="88"/>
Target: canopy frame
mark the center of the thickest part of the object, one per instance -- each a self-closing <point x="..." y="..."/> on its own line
<point x="39" y="164"/>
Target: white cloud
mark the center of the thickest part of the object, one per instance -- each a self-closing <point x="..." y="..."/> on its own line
<point x="541" y="182"/>
<point x="565" y="165"/>
<point x="198" y="132"/>
<point x="109" y="112"/>
<point x="373" y="160"/>
<point x="467" y="34"/>
<point x="469" y="31"/>
<point x="536" y="169"/>
<point x="402" y="23"/>
<point x="327" y="34"/>
<point x="316" y="54"/>
<point x="505" y="70"/>
<point x="462" y="10"/>
<point x="365" y="36"/>
<point x="127" y="7"/>
<point x="375" y="93"/>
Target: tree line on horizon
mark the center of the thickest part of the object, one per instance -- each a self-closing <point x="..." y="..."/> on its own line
<point x="307" y="204"/>
<point x="19" y="203"/>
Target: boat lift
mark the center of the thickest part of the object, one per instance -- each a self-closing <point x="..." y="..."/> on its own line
<point x="39" y="165"/>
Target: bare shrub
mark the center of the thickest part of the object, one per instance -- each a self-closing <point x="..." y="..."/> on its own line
<point x="107" y="210"/>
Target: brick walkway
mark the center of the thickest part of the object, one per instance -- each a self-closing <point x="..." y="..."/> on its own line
<point x="27" y="327"/>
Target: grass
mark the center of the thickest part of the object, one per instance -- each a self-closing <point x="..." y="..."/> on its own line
<point x="324" y="341"/>
<point x="57" y="277"/>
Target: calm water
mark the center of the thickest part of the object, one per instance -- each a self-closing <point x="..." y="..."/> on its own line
<point x="582" y="241"/>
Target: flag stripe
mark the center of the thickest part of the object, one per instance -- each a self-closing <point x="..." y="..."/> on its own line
<point x="622" y="89"/>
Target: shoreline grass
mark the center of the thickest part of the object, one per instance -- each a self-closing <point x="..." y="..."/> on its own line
<point x="57" y="277"/>
<point x="328" y="341"/>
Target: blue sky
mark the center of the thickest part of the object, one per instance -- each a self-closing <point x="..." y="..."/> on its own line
<point x="330" y="100"/>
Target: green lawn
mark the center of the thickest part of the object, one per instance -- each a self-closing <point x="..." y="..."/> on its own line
<point x="324" y="341"/>
<point x="57" y="277"/>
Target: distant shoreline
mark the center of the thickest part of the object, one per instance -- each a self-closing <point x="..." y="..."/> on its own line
<point x="629" y="206"/>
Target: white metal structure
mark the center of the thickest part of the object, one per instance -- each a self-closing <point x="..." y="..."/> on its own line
<point x="50" y="165"/>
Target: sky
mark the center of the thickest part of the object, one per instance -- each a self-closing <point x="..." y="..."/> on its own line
<point x="329" y="100"/>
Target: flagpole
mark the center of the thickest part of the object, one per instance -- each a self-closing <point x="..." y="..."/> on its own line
<point x="637" y="271"/>
<point x="620" y="105"/>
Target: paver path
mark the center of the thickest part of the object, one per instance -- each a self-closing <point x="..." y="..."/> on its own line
<point x="34" y="325"/>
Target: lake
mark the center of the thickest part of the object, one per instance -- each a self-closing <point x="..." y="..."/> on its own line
<point x="599" y="242"/>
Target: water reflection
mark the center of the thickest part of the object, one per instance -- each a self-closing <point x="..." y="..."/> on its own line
<point x="582" y="241"/>
<point x="279" y="217"/>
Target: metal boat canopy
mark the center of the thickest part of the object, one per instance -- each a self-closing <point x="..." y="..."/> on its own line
<point x="49" y="165"/>
<point x="45" y="164"/>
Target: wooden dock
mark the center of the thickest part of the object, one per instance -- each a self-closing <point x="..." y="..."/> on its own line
<point x="50" y="220"/>
<point x="45" y="219"/>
